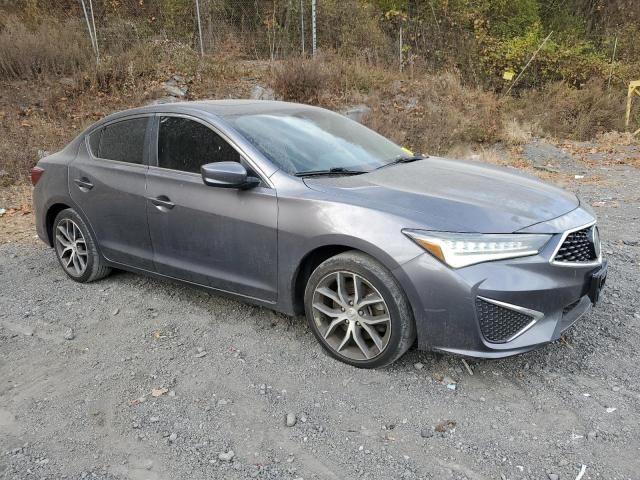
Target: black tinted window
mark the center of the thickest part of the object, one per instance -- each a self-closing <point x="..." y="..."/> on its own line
<point x="124" y="141"/>
<point x="186" y="145"/>
<point x="94" y="141"/>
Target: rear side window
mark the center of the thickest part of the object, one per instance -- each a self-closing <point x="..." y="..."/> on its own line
<point x="186" y="145"/>
<point x="122" y="141"/>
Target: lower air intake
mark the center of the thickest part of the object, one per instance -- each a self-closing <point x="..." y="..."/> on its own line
<point x="499" y="324"/>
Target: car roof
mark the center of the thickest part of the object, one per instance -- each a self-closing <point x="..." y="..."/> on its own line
<point x="221" y="108"/>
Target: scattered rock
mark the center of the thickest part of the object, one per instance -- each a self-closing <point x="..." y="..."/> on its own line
<point x="445" y="426"/>
<point x="426" y="432"/>
<point x="158" y="392"/>
<point x="591" y="436"/>
<point x="173" y="437"/>
<point x="545" y="156"/>
<point x="553" y="476"/>
<point x="175" y="91"/>
<point x="115" y="312"/>
<point x="291" y="419"/>
<point x="69" y="334"/>
<point x="262" y="93"/>
<point x="418" y="366"/>
<point x="226" y="457"/>
<point x="356" y="112"/>
<point x="163" y="100"/>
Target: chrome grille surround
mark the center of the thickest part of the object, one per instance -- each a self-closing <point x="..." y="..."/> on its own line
<point x="502" y="322"/>
<point x="572" y="244"/>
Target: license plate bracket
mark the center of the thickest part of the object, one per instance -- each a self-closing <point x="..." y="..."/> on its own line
<point x="596" y="284"/>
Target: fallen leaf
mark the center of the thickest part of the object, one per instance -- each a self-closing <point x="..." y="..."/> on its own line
<point x="445" y="426"/>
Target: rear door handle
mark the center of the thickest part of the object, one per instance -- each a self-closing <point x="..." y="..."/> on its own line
<point x="162" y="202"/>
<point x="84" y="183"/>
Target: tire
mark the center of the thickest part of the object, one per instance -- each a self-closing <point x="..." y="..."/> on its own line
<point x="334" y="320"/>
<point x="69" y="234"/>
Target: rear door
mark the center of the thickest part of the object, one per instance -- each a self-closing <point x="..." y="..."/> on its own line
<point x="107" y="181"/>
<point x="222" y="238"/>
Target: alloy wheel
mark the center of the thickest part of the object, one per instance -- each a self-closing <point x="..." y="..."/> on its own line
<point x="351" y="315"/>
<point x="72" y="247"/>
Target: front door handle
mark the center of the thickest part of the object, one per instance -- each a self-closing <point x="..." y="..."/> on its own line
<point x="83" y="183"/>
<point x="162" y="202"/>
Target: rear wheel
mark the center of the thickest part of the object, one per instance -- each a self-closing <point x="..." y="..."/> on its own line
<point x="358" y="312"/>
<point x="76" y="248"/>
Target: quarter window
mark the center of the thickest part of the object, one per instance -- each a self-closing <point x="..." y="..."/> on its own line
<point x="123" y="141"/>
<point x="186" y="145"/>
<point x="94" y="141"/>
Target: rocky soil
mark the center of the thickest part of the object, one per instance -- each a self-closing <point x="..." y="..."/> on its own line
<point x="133" y="378"/>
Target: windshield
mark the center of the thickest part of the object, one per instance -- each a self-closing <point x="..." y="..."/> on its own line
<point x="312" y="140"/>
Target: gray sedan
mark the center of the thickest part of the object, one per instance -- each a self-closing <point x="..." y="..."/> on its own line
<point x="301" y="210"/>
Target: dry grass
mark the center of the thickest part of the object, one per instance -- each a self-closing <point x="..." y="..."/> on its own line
<point x="21" y="142"/>
<point x="435" y="112"/>
<point x="515" y="133"/>
<point x="300" y="80"/>
<point x="17" y="223"/>
<point x="562" y="111"/>
<point x="50" y="48"/>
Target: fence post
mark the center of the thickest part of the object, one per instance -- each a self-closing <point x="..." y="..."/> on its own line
<point x="199" y="28"/>
<point x="401" y="66"/>
<point x="313" y="26"/>
<point x="613" y="58"/>
<point x="302" y="24"/>
<point x="86" y="17"/>
<point x="95" y="34"/>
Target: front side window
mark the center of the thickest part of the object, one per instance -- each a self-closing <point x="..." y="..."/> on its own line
<point x="123" y="141"/>
<point x="186" y="145"/>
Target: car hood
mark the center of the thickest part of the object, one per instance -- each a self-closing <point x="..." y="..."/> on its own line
<point x="452" y="195"/>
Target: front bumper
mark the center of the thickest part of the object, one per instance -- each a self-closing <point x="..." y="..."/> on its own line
<point x="446" y="311"/>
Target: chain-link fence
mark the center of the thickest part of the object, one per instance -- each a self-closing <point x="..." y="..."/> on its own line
<point x="257" y="29"/>
<point x="253" y="28"/>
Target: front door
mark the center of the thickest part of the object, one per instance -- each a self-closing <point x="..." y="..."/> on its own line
<point x="107" y="182"/>
<point x="221" y="238"/>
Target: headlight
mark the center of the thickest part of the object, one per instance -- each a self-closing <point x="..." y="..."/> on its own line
<point x="463" y="249"/>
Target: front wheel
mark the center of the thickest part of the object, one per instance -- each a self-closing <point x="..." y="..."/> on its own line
<point x="358" y="312"/>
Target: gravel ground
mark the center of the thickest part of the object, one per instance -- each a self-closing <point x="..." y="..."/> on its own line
<point x="136" y="378"/>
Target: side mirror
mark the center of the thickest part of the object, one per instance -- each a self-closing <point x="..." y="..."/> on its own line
<point x="227" y="175"/>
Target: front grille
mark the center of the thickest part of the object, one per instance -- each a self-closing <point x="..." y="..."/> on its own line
<point x="578" y="247"/>
<point x="499" y="324"/>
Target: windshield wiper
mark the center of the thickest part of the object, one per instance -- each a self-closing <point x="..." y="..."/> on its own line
<point x="396" y="161"/>
<point x="330" y="171"/>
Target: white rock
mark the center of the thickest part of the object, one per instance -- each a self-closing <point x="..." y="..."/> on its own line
<point x="226" y="457"/>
